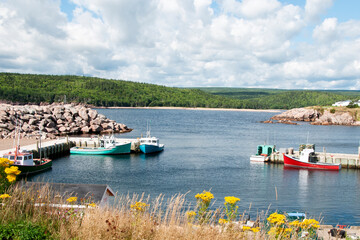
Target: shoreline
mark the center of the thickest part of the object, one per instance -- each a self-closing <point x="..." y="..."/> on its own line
<point x="196" y="109"/>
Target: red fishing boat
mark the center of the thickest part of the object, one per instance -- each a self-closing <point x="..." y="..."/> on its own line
<point x="308" y="160"/>
<point x="26" y="163"/>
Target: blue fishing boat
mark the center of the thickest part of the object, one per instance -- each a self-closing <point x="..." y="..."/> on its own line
<point x="108" y="145"/>
<point x="150" y="144"/>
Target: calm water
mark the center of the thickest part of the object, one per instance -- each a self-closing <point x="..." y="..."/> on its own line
<point x="210" y="150"/>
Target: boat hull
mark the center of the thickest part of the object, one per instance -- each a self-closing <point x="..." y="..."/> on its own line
<point x="259" y="158"/>
<point x="146" y="148"/>
<point x="293" y="162"/>
<point x="45" y="164"/>
<point x="118" y="149"/>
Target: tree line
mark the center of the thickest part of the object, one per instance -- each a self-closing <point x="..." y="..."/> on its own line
<point x="33" y="88"/>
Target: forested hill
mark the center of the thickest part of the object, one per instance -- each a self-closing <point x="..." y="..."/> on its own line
<point x="31" y="88"/>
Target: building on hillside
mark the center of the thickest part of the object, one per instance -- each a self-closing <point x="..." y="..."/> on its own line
<point x="342" y="103"/>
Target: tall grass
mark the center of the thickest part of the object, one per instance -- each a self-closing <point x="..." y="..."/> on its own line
<point x="33" y="212"/>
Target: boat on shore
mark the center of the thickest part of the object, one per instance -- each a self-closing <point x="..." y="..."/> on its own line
<point x="308" y="160"/>
<point x="263" y="153"/>
<point x="26" y="163"/>
<point x="107" y="146"/>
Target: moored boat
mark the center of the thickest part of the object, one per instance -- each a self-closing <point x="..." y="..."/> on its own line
<point x="107" y="146"/>
<point x="26" y="163"/>
<point x="263" y="153"/>
<point x="308" y="160"/>
<point x="150" y="144"/>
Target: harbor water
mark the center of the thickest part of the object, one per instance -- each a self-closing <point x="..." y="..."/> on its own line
<point x="210" y="150"/>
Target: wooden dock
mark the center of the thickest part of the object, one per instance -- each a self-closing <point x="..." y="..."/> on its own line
<point x="59" y="147"/>
<point x="49" y="149"/>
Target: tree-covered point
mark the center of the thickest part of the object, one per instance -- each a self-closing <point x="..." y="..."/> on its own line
<point x="31" y="88"/>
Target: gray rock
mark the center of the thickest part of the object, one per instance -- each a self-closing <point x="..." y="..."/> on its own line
<point x="33" y="121"/>
<point x="96" y="128"/>
<point x="85" y="129"/>
<point x="83" y="113"/>
<point x="92" y="114"/>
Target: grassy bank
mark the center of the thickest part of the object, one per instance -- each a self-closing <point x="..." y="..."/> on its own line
<point x="31" y="214"/>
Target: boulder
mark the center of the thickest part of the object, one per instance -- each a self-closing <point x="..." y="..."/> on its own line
<point x="92" y="114"/>
<point x="85" y="129"/>
<point x="83" y="113"/>
<point x="33" y="121"/>
<point x="96" y="128"/>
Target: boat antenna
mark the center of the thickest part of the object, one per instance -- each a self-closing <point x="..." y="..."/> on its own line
<point x="307" y="139"/>
<point x="14" y="144"/>
<point x="147" y="129"/>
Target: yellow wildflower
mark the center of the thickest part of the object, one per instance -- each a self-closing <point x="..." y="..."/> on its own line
<point x="139" y="206"/>
<point x="92" y="205"/>
<point x="4" y="162"/>
<point x="12" y="170"/>
<point x="255" y="230"/>
<point x="191" y="214"/>
<point x="71" y="199"/>
<point x="276" y="218"/>
<point x="11" y="178"/>
<point x="245" y="228"/>
<point x="295" y="223"/>
<point x="205" y="196"/>
<point x="222" y="221"/>
<point x="3" y="196"/>
<point x="231" y="200"/>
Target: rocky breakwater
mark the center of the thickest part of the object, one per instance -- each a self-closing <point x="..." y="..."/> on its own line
<point x="54" y="120"/>
<point x="320" y="116"/>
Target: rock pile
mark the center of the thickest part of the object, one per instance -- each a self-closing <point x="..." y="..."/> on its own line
<point x="54" y="120"/>
<point x="316" y="117"/>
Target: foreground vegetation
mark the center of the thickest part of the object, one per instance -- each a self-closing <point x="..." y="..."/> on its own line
<point x="109" y="93"/>
<point x="42" y="214"/>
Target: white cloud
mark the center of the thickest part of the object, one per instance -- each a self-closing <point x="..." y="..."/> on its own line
<point x="315" y="8"/>
<point x="249" y="43"/>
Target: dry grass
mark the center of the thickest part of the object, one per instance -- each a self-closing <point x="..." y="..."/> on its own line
<point x="163" y="219"/>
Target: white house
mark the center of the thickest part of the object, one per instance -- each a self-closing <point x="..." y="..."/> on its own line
<point x="342" y="103"/>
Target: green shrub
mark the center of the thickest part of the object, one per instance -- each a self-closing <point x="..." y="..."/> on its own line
<point x="24" y="230"/>
<point x="332" y="110"/>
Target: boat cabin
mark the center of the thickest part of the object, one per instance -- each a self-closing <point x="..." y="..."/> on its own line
<point x="150" y="141"/>
<point x="266" y="150"/>
<point x="107" y="142"/>
<point x="308" y="155"/>
<point x="22" y="157"/>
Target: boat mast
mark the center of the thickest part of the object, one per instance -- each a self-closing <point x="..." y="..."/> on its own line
<point x="40" y="145"/>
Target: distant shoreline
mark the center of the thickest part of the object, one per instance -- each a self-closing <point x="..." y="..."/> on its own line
<point x="202" y="109"/>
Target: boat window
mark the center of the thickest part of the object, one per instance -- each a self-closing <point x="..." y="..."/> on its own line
<point x="25" y="157"/>
<point x="19" y="158"/>
<point x="154" y="141"/>
<point x="142" y="141"/>
<point x="12" y="158"/>
<point x="30" y="157"/>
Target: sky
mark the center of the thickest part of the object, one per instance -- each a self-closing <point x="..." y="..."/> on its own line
<point x="284" y="44"/>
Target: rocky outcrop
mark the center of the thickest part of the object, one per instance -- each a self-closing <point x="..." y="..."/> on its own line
<point x="298" y="114"/>
<point x="54" y="120"/>
<point x="317" y="117"/>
